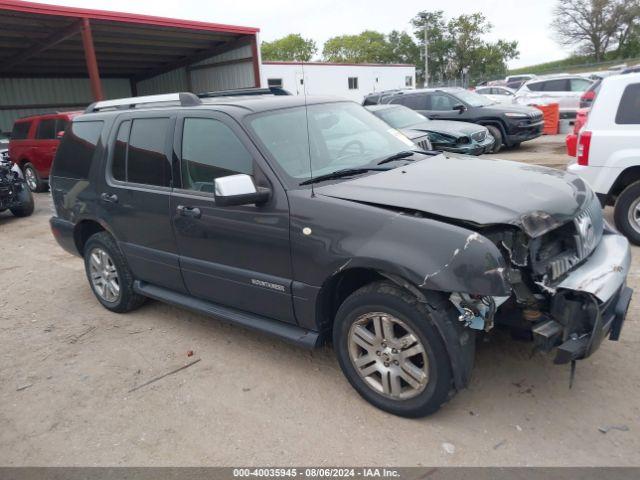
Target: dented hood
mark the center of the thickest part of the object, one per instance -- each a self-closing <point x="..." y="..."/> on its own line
<point x="446" y="127"/>
<point x="481" y="191"/>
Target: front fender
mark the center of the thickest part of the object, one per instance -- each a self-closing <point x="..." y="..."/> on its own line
<point x="435" y="256"/>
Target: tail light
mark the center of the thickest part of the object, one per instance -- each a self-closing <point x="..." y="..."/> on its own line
<point x="587" y="98"/>
<point x="584" y="143"/>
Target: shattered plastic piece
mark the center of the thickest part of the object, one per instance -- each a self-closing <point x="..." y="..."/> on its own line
<point x="449" y="448"/>
<point x="607" y="428"/>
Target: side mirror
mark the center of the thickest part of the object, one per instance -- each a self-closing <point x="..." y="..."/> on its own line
<point x="238" y="190"/>
<point x="461" y="108"/>
<point x="60" y="134"/>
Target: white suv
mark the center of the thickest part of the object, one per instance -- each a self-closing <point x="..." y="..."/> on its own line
<point x="608" y="155"/>
<point x="565" y="90"/>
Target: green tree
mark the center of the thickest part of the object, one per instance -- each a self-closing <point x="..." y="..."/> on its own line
<point x="403" y="48"/>
<point x="290" y="48"/>
<point x="366" y="47"/>
<point x="457" y="47"/>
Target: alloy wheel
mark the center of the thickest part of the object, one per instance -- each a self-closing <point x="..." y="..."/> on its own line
<point x="104" y="276"/>
<point x="30" y="178"/>
<point x="388" y="355"/>
<point x="634" y="215"/>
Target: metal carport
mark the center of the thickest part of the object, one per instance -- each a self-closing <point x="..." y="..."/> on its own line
<point x="60" y="58"/>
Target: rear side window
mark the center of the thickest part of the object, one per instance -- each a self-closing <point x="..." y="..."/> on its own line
<point x="415" y="102"/>
<point x="46" y="129"/>
<point x="210" y="150"/>
<point x="629" y="108"/>
<point x="77" y="149"/>
<point x="560" y="85"/>
<point x="20" y="130"/>
<point x="140" y="152"/>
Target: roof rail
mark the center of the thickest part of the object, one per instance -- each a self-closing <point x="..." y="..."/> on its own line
<point x="184" y="99"/>
<point x="245" y="91"/>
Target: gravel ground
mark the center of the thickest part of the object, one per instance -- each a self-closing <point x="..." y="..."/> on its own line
<point x="67" y="366"/>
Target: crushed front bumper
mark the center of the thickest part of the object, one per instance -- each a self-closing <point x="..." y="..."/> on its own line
<point x="590" y="303"/>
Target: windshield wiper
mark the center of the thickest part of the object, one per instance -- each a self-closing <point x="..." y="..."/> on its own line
<point x="345" y="172"/>
<point x="396" y="156"/>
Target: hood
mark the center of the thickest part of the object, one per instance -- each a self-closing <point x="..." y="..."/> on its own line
<point x="446" y="127"/>
<point x="476" y="190"/>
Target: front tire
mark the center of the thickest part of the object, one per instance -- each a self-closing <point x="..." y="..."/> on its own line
<point x="497" y="135"/>
<point x="391" y="352"/>
<point x="27" y="204"/>
<point x="626" y="213"/>
<point x="109" y="275"/>
<point x="33" y="180"/>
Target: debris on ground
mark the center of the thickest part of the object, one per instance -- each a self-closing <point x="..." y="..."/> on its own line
<point x="499" y="444"/>
<point x="164" y="375"/>
<point x="190" y="353"/>
<point x="77" y="336"/>
<point x="607" y="428"/>
<point x="449" y="448"/>
<point x="24" y="387"/>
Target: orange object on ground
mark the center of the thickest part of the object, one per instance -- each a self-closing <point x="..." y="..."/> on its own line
<point x="551" y="115"/>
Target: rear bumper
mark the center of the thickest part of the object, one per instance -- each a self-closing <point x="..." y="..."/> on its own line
<point x="63" y="233"/>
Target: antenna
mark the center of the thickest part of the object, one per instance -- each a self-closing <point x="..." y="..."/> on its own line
<point x="306" y="114"/>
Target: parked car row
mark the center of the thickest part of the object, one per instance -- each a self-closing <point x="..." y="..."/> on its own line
<point x="509" y="125"/>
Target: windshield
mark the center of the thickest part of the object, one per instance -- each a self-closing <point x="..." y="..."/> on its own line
<point x="341" y="135"/>
<point x="472" y="98"/>
<point x="400" y="117"/>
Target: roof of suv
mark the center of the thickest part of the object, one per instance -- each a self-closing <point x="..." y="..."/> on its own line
<point x="249" y="104"/>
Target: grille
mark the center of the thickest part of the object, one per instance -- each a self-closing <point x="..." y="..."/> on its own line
<point x="424" y="143"/>
<point x="479" y="136"/>
<point x="535" y="116"/>
<point x="588" y="226"/>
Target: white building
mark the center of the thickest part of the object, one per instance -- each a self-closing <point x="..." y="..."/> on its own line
<point x="347" y="80"/>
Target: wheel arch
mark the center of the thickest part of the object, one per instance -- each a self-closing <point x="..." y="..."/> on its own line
<point x="628" y="176"/>
<point x="83" y="230"/>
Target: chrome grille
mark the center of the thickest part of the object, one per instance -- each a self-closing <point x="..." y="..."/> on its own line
<point x="423" y="143"/>
<point x="588" y="224"/>
<point x="479" y="136"/>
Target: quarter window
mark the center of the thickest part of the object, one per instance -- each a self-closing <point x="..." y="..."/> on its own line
<point x="20" y="130"/>
<point x="119" y="162"/>
<point x="629" y="108"/>
<point x="46" y="129"/>
<point x="76" y="152"/>
<point x="211" y="150"/>
<point x="353" y="83"/>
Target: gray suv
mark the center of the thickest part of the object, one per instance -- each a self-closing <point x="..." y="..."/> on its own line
<point x="312" y="220"/>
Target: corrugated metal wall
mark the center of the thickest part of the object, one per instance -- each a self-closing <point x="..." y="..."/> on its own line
<point x="221" y="77"/>
<point x="75" y="92"/>
<point x="173" y="81"/>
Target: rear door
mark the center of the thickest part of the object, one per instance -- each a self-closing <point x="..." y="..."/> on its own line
<point x="136" y="195"/>
<point x="44" y="146"/>
<point x="237" y="256"/>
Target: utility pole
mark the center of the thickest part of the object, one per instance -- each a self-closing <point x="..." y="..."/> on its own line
<point x="426" y="53"/>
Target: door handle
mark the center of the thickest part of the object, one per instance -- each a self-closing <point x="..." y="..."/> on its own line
<point x="109" y="198"/>
<point x="193" y="212"/>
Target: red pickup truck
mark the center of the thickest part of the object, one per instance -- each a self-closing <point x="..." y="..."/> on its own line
<point x="33" y="144"/>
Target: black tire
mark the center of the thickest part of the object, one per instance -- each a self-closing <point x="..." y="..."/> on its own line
<point x="27" y="207"/>
<point x="127" y="299"/>
<point x="39" y="185"/>
<point x="628" y="200"/>
<point x="497" y="135"/>
<point x="386" y="297"/>
<point x="516" y="145"/>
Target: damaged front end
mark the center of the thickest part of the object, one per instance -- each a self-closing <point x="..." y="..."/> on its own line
<point x="569" y="286"/>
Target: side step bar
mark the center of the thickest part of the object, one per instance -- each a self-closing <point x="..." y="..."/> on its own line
<point x="286" y="331"/>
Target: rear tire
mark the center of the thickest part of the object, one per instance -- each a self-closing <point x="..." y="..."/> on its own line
<point x="33" y="180"/>
<point x="391" y="352"/>
<point x="626" y="213"/>
<point x="497" y="135"/>
<point x="109" y="275"/>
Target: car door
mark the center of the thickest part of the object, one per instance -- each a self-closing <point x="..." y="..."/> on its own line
<point x="236" y="256"/>
<point x="135" y="197"/>
<point x="45" y="146"/>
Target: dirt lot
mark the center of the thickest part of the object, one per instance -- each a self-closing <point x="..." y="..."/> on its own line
<point x="67" y="366"/>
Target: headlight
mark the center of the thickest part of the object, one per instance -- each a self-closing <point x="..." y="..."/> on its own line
<point x="515" y="115"/>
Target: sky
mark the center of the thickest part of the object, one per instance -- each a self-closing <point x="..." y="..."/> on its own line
<point x="524" y="21"/>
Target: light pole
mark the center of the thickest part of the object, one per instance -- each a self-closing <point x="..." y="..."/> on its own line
<point x="426" y="52"/>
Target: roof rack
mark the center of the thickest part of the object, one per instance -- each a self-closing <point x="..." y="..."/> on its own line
<point x="245" y="91"/>
<point x="184" y="99"/>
